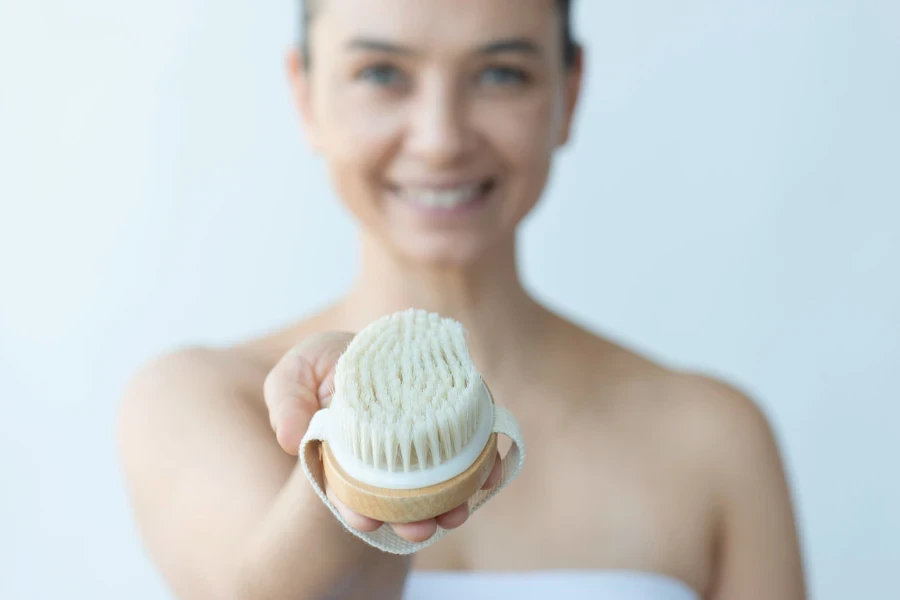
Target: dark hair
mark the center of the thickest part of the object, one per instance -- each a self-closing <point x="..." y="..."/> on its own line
<point x="570" y="46"/>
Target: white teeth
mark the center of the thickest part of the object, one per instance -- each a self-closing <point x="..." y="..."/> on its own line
<point x="447" y="198"/>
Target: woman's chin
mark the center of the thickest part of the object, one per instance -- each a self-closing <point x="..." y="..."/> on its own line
<point x="451" y="252"/>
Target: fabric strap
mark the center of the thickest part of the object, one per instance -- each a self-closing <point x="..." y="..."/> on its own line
<point x="384" y="538"/>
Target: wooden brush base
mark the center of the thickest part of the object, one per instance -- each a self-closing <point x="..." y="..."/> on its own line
<point x="407" y="506"/>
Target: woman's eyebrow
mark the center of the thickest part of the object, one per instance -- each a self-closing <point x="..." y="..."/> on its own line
<point x="364" y="43"/>
<point x="518" y="45"/>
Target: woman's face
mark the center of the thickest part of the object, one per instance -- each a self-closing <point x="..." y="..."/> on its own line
<point x="438" y="119"/>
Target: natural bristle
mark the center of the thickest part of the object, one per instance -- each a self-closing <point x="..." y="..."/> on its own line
<point x="406" y="392"/>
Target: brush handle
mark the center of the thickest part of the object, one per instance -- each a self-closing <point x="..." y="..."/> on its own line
<point x="407" y="506"/>
<point x="317" y="465"/>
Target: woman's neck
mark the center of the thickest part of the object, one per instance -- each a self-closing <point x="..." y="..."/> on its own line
<point x="502" y="321"/>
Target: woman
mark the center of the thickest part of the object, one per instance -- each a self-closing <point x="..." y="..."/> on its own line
<point x="439" y="120"/>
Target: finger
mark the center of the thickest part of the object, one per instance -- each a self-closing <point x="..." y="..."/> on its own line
<point x="290" y="428"/>
<point x="418" y="531"/>
<point x="496" y="472"/>
<point x="454" y="518"/>
<point x="290" y="396"/>
<point x="354" y="519"/>
<point x="322" y="351"/>
<point x="299" y="385"/>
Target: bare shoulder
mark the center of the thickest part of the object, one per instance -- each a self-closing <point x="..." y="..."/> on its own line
<point x="199" y="462"/>
<point x="690" y="408"/>
<point x="719" y="428"/>
<point x="172" y="393"/>
<point x="184" y="383"/>
<point x="723" y="445"/>
<point x="758" y="548"/>
<point x="195" y="366"/>
<point x="724" y="418"/>
<point x="199" y="457"/>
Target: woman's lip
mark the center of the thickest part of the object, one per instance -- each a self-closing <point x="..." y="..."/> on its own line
<point x="439" y="184"/>
<point x="456" y="211"/>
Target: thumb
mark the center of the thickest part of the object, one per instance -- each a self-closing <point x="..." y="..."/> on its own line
<point x="300" y="384"/>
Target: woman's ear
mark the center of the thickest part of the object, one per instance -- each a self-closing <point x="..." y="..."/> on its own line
<point x="298" y="76"/>
<point x="573" y="80"/>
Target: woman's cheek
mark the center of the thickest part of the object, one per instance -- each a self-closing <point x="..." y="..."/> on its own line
<point x="517" y="144"/>
<point x="365" y="134"/>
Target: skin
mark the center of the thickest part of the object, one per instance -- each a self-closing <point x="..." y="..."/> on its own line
<point x="631" y="465"/>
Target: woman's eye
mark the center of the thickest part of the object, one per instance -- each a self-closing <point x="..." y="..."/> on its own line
<point x="504" y="76"/>
<point x="382" y="75"/>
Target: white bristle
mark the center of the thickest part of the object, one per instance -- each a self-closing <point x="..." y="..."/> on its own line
<point x="407" y="395"/>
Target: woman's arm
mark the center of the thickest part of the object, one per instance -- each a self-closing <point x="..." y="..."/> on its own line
<point x="224" y="511"/>
<point x="758" y="554"/>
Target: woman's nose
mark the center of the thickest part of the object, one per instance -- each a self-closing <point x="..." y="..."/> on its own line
<point x="439" y="131"/>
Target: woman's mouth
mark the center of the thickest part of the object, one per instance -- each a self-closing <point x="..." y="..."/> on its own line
<point x="445" y="200"/>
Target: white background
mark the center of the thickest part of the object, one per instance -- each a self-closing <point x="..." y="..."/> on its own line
<point x="731" y="202"/>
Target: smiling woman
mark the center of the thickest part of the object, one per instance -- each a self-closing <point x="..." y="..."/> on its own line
<point x="420" y="115"/>
<point x="439" y="121"/>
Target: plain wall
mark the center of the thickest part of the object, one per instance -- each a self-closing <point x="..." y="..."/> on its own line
<point x="730" y="202"/>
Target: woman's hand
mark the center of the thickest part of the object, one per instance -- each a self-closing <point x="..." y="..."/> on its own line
<point x="299" y="385"/>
